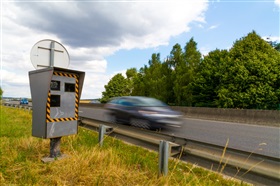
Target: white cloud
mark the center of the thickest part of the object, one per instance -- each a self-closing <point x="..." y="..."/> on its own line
<point x="204" y="50"/>
<point x="271" y="38"/>
<point x="94" y="85"/>
<point x="277" y="2"/>
<point x="212" y="27"/>
<point x="90" y="31"/>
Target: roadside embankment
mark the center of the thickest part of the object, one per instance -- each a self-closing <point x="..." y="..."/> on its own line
<point x="249" y="116"/>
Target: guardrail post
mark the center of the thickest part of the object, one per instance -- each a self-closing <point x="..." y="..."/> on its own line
<point x="103" y="129"/>
<point x="163" y="157"/>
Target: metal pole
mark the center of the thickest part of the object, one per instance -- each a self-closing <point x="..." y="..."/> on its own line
<point x="103" y="129"/>
<point x="160" y="154"/>
<point x="101" y="134"/>
<point x="163" y="157"/>
<point x="55" y="147"/>
<point x="52" y="54"/>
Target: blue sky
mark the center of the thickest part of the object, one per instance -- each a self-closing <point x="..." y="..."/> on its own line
<point x="108" y="37"/>
<point x="226" y="22"/>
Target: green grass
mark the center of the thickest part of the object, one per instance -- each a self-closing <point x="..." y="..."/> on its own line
<point x="116" y="163"/>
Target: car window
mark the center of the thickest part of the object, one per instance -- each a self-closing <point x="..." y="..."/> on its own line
<point x="138" y="101"/>
<point x="151" y="102"/>
<point x="126" y="102"/>
<point x="114" y="101"/>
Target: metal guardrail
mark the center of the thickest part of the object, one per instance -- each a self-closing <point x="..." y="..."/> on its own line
<point x="246" y="161"/>
<point x="27" y="107"/>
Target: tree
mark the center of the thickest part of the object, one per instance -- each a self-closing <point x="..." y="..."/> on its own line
<point x="192" y="58"/>
<point x="274" y="44"/>
<point x="150" y="80"/>
<point x="178" y="67"/>
<point x="185" y="69"/>
<point x="131" y="74"/>
<point x="1" y="93"/>
<point x="209" y="78"/>
<point x="252" y="76"/>
<point x="117" y="86"/>
<point x="139" y="88"/>
<point x="277" y="46"/>
<point x="153" y="80"/>
<point x="168" y="84"/>
<point x="246" y="76"/>
<point x="154" y="77"/>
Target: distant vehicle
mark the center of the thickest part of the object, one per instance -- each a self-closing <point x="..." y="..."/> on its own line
<point x="23" y="101"/>
<point x="94" y="101"/>
<point x="143" y="112"/>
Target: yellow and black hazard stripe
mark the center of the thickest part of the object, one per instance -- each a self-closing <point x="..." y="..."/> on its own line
<point x="61" y="119"/>
<point x="49" y="107"/>
<point x="48" y="115"/>
<point x="65" y="74"/>
<point x="77" y="98"/>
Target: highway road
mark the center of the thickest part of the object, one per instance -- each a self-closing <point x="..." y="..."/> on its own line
<point x="247" y="137"/>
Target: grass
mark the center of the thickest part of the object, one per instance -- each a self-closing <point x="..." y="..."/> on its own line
<point x="116" y="163"/>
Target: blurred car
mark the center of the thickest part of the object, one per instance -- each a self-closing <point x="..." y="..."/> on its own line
<point x="143" y="112"/>
<point x="23" y="101"/>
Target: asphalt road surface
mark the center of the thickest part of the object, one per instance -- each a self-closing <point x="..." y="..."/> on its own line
<point x="247" y="137"/>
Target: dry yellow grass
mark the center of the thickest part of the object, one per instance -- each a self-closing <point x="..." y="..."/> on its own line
<point x="116" y="163"/>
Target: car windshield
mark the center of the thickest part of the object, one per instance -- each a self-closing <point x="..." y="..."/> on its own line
<point x="138" y="101"/>
<point x="150" y="102"/>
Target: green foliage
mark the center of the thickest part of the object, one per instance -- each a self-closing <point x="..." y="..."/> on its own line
<point x="252" y="75"/>
<point x="185" y="69"/>
<point x="139" y="87"/>
<point x="1" y="93"/>
<point x="274" y="44"/>
<point x="131" y="74"/>
<point x="209" y="78"/>
<point x="154" y="78"/>
<point x="168" y="83"/>
<point x="117" y="86"/>
<point x="246" y="76"/>
<point x="178" y="72"/>
<point x="192" y="58"/>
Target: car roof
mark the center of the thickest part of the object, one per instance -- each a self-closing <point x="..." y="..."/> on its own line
<point x="132" y="97"/>
<point x="144" y="101"/>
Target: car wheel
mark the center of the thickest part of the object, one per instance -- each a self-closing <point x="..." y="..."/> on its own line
<point x="111" y="118"/>
<point x="140" y="123"/>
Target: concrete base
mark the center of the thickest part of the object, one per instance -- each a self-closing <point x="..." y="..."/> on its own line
<point x="49" y="159"/>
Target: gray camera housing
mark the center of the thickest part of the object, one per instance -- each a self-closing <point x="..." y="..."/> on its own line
<point x="55" y="96"/>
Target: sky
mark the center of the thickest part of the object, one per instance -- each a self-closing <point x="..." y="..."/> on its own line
<point x="106" y="37"/>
